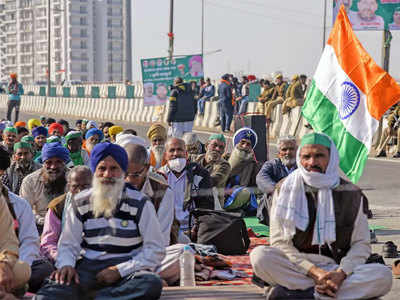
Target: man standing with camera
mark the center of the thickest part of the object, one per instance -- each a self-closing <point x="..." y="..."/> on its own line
<point x="15" y="90"/>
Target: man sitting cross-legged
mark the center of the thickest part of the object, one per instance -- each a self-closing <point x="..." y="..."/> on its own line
<point x="319" y="233"/>
<point x="117" y="228"/>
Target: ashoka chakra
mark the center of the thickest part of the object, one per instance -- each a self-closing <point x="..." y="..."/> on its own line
<point x="349" y="101"/>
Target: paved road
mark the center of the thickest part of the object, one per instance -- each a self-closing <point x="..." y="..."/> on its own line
<point x="380" y="181"/>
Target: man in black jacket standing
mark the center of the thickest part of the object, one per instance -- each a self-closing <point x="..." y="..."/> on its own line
<point x="225" y="103"/>
<point x="182" y="108"/>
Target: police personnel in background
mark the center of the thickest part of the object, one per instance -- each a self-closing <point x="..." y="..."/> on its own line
<point x="182" y="108"/>
<point x="393" y="129"/>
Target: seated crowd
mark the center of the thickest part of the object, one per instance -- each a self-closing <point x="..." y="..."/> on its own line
<point x="95" y="212"/>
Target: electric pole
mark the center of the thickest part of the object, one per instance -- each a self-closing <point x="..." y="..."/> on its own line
<point x="48" y="48"/>
<point x="171" y="30"/>
<point x="202" y="28"/>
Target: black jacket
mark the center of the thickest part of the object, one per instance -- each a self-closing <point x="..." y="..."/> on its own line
<point x="182" y="104"/>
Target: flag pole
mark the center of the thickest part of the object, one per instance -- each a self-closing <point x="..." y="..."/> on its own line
<point x="387" y="38"/>
<point x="324" y="26"/>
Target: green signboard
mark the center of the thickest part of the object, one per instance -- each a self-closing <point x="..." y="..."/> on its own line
<point x="370" y="14"/>
<point x="159" y="73"/>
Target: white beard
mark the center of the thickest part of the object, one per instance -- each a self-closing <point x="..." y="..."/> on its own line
<point x="158" y="153"/>
<point x="90" y="146"/>
<point x="105" y="197"/>
<point x="288" y="161"/>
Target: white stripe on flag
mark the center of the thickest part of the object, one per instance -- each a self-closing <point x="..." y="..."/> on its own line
<point x="328" y="79"/>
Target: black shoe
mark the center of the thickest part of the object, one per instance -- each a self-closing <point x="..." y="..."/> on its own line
<point x="375" y="258"/>
<point x="389" y="250"/>
<point x="281" y="293"/>
<point x="397" y="155"/>
<point x="382" y="154"/>
<point x="258" y="281"/>
<point x="370" y="215"/>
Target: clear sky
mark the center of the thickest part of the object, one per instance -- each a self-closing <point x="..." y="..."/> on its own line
<point x="255" y="36"/>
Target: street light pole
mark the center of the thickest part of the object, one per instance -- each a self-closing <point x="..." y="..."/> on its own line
<point x="48" y="48"/>
<point x="171" y="29"/>
<point x="202" y="28"/>
<point x="324" y="26"/>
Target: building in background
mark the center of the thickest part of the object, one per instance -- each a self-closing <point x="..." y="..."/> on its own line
<point x="90" y="41"/>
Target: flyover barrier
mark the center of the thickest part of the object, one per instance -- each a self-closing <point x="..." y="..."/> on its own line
<point x="134" y="111"/>
<point x="121" y="103"/>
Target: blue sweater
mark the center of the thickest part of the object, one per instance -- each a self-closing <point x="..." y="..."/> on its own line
<point x="17" y="96"/>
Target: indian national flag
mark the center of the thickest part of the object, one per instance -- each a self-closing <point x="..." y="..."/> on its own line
<point x="348" y="96"/>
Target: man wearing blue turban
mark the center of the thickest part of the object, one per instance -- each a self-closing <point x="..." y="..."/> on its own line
<point x="47" y="183"/>
<point x="117" y="228"/>
<point x="241" y="192"/>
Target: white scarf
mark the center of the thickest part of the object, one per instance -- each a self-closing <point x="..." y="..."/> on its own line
<point x="292" y="206"/>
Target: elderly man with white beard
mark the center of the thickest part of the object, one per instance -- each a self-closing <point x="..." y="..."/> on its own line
<point x="115" y="229"/>
<point x="157" y="135"/>
<point x="241" y="192"/>
<point x="274" y="170"/>
<point x="319" y="233"/>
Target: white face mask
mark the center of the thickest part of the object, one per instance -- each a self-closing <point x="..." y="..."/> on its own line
<point x="177" y="164"/>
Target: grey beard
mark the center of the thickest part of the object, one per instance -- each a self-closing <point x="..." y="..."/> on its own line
<point x="213" y="156"/>
<point x="90" y="146"/>
<point x="288" y="161"/>
<point x="239" y="158"/>
<point x="105" y="197"/>
<point x="158" y="153"/>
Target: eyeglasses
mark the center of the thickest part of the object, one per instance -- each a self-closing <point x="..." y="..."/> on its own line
<point x="137" y="174"/>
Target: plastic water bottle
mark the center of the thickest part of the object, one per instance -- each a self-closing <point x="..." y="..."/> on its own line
<point x="186" y="262"/>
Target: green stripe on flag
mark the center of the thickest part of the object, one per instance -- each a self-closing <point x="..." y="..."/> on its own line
<point x="324" y="117"/>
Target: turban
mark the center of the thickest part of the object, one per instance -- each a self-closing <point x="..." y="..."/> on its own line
<point x="22" y="145"/>
<point x="55" y="150"/>
<point x="13" y="75"/>
<point x="157" y="130"/>
<point x="20" y="124"/>
<point x="73" y="135"/>
<point x="245" y="133"/>
<point x="217" y="136"/>
<point x="114" y="130"/>
<point x="2" y="126"/>
<point x="126" y="139"/>
<point x="42" y="118"/>
<point x="190" y="138"/>
<point x="295" y="77"/>
<point x="56" y="126"/>
<point x="27" y="139"/>
<point x="278" y="76"/>
<point x="94" y="131"/>
<point x="90" y="124"/>
<point x="315" y="139"/>
<point x="102" y="150"/>
<point x="53" y="139"/>
<point x="10" y="129"/>
<point x="34" y="122"/>
<point x="39" y="131"/>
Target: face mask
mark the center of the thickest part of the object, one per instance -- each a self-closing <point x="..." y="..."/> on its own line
<point x="177" y="164"/>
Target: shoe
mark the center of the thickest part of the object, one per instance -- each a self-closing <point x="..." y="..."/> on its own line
<point x="381" y="154"/>
<point x="370" y="215"/>
<point x="396" y="269"/>
<point x="258" y="282"/>
<point x="397" y="155"/>
<point x="308" y="126"/>
<point x="281" y="293"/>
<point x="389" y="250"/>
<point x="375" y="258"/>
<point x="373" y="239"/>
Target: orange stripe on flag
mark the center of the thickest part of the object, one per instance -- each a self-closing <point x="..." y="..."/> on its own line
<point x="380" y="88"/>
